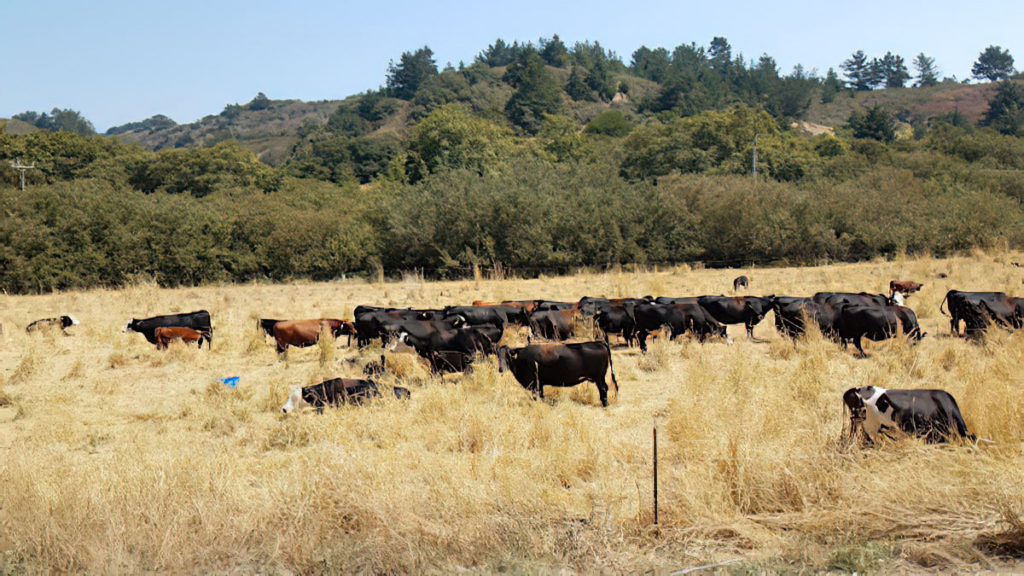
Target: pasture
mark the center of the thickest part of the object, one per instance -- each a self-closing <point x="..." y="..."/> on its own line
<point x="119" y="458"/>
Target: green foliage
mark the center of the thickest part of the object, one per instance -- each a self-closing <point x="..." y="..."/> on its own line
<point x="894" y="71"/>
<point x="858" y="71"/>
<point x="151" y="124"/>
<point x="200" y="171"/>
<point x="561" y="138"/>
<point x="993" y="64"/>
<point x="877" y="124"/>
<point x="651" y="64"/>
<point x="1006" y="109"/>
<point x="611" y="123"/>
<point x="830" y="87"/>
<point x="927" y="73"/>
<point x="450" y="138"/>
<point x="412" y="70"/>
<point x="58" y="120"/>
<point x="554" y="52"/>
<point x="577" y="88"/>
<point x="536" y="94"/>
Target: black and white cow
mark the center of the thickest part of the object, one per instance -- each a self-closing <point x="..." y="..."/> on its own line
<point x="333" y="392"/>
<point x="930" y="414"/>
<point x="64" y="322"/>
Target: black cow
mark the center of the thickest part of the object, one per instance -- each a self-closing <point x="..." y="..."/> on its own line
<point x="554" y="305"/>
<point x="740" y="282"/>
<point x="199" y="321"/>
<point x="336" y="391"/>
<point x="267" y="325"/>
<point x="481" y="315"/>
<point x="554" y="324"/>
<point x="1005" y="310"/>
<point x="468" y="340"/>
<point x="876" y="323"/>
<point x="540" y="365"/>
<point x="64" y="322"/>
<point x="442" y="361"/>
<point x="617" y="319"/>
<point x="680" y="318"/>
<point x="930" y="414"/>
<point x="746" y="310"/>
<point x="372" y="322"/>
<point x="791" y="313"/>
<point x="862" y="298"/>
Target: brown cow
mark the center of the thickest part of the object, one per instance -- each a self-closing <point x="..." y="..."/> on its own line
<point x="303" y="333"/>
<point x="165" y="334"/>
<point x="905" y="287"/>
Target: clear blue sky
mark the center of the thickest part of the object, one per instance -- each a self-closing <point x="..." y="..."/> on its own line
<point x="120" y="61"/>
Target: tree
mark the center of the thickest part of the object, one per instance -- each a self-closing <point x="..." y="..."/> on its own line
<point x="577" y="88"/>
<point x="720" y="54"/>
<point x="554" y="52"/>
<point x="927" y="73"/>
<point x="405" y="78"/>
<point x="651" y="64"/>
<point x="536" y="94"/>
<point x="894" y="71"/>
<point x="450" y="138"/>
<point x="877" y="124"/>
<point x="993" y="64"/>
<point x="58" y="120"/>
<point x="830" y="86"/>
<point x="876" y="74"/>
<point x="1006" y="109"/>
<point x="858" y="71"/>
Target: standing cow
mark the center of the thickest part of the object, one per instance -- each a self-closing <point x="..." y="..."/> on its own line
<point x="540" y="365"/>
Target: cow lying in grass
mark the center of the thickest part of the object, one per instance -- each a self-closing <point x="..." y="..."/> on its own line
<point x="930" y="414"/>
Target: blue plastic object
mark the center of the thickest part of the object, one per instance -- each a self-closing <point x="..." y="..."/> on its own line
<point x="230" y="380"/>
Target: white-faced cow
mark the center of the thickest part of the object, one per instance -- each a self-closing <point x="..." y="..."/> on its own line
<point x="930" y="414"/>
<point x="333" y="392"/>
<point x="63" y="322"/>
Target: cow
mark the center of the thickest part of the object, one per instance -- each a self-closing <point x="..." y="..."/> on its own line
<point x="746" y="310"/>
<point x="540" y="365"/>
<point x="1004" y="309"/>
<point x="791" y="313"/>
<point x="481" y="315"/>
<point x="166" y="334"/>
<point x="679" y="317"/>
<point x="335" y="391"/>
<point x="467" y="340"/>
<point x="740" y="282"/>
<point x="554" y="305"/>
<point x="372" y="322"/>
<point x="930" y="414"/>
<point x="554" y="324"/>
<point x="199" y="320"/>
<point x="863" y="298"/>
<point x="63" y="322"/>
<point x="304" y="333"/>
<point x="876" y="323"/>
<point x="905" y="287"/>
<point x="616" y="319"/>
<point x="267" y="325"/>
<point x="442" y="361"/>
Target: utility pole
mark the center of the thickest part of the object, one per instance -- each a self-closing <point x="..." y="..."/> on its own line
<point x="753" y="171"/>
<point x="17" y="165"/>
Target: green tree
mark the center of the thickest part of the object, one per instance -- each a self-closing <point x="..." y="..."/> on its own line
<point x="894" y="70"/>
<point x="927" y="72"/>
<point x="858" y="71"/>
<point x="830" y="86"/>
<point x="59" y="120"/>
<point x="537" y="93"/>
<point x="450" y="138"/>
<point x="577" y="88"/>
<point x="500" y="53"/>
<point x="554" y="52"/>
<point x="561" y="138"/>
<point x="877" y="124"/>
<point x="611" y="123"/>
<point x="1006" y="109"/>
<point x="651" y="64"/>
<point x="411" y="71"/>
<point x="993" y="64"/>
<point x="719" y="54"/>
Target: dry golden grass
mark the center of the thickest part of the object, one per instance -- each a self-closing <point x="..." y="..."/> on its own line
<point x="118" y="458"/>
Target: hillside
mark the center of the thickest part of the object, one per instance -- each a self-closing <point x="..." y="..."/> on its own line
<point x="269" y="131"/>
<point x="908" y="104"/>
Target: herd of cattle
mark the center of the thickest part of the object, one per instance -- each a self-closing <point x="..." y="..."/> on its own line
<point x="450" y="338"/>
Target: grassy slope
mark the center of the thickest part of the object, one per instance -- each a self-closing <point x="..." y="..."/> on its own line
<point x="115" y="457"/>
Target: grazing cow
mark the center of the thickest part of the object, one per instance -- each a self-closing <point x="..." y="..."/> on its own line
<point x="554" y="324"/>
<point x="791" y="313"/>
<point x="680" y="318"/>
<point x="372" y="322"/>
<point x="199" y="320"/>
<point x="166" y="334"/>
<point x="876" y="323"/>
<point x="303" y="333"/>
<point x="746" y="310"/>
<point x="930" y="414"/>
<point x="1004" y="309"/>
<point x="335" y="391"/>
<point x="905" y="287"/>
<point x="540" y="365"/>
<point x="64" y="322"/>
<point x="740" y="282"/>
<point x="374" y="368"/>
<point x="616" y="319"/>
<point x="862" y="298"/>
<point x="267" y="325"/>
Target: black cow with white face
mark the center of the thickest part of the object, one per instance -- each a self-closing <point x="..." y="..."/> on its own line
<point x="930" y="414"/>
<point x="334" y="392"/>
<point x="63" y="322"/>
<point x="199" y="321"/>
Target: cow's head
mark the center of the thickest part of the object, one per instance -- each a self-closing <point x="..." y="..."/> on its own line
<point x="295" y="402"/>
<point x="504" y="353"/>
<point x="132" y="326"/>
<point x="66" y="321"/>
<point x="348" y="327"/>
<point x="870" y="408"/>
<point x="759" y="305"/>
<point x="401" y="343"/>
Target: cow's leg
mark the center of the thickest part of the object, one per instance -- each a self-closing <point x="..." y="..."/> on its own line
<point x="857" y="343"/>
<point x="602" y="390"/>
<point x="641" y="337"/>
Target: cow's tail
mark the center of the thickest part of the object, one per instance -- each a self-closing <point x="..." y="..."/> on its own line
<point x="943" y="303"/>
<point x="611" y="368"/>
<point x="206" y="333"/>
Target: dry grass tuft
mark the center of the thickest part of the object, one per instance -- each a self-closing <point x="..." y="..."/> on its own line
<point x="157" y="466"/>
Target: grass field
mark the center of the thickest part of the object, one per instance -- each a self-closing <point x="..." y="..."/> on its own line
<point x="118" y="458"/>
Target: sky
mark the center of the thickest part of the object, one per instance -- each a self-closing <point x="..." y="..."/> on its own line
<point x="119" y="61"/>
